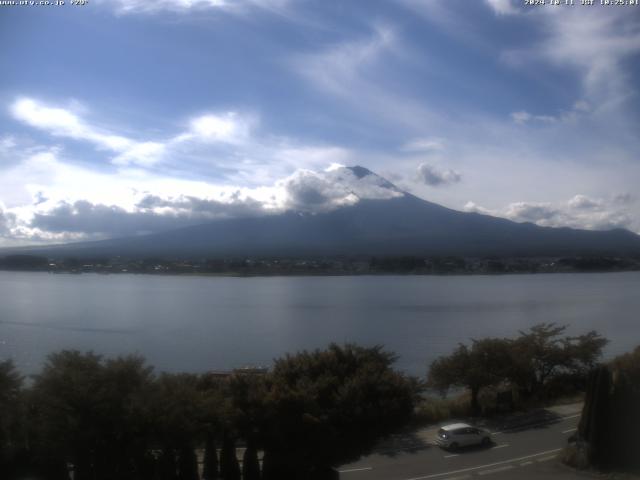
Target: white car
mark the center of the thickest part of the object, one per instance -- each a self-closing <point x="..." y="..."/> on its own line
<point x="459" y="435"/>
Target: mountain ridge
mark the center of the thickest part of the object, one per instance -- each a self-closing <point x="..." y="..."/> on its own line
<point x="402" y="224"/>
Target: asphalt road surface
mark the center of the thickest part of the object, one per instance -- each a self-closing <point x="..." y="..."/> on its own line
<point x="524" y="452"/>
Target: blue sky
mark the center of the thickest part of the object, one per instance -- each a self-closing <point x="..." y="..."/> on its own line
<point x="125" y="117"/>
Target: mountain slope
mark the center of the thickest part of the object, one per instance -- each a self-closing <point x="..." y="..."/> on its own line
<point x="401" y="225"/>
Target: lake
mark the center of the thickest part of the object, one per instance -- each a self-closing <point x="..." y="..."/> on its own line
<point x="188" y="323"/>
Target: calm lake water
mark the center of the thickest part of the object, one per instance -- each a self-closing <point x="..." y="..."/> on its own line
<point x="182" y="323"/>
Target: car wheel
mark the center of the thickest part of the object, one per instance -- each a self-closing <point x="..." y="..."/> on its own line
<point x="486" y="441"/>
<point x="454" y="446"/>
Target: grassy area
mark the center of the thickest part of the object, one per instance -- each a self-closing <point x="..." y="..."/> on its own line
<point x="435" y="409"/>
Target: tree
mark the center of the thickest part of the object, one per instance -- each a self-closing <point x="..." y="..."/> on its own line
<point x="124" y="423"/>
<point x="483" y="364"/>
<point x="216" y="412"/>
<point x="11" y="415"/>
<point x="175" y="408"/>
<point x="329" y="407"/>
<point x="628" y="365"/>
<point x="67" y="394"/>
<point x="542" y="353"/>
<point x="92" y="413"/>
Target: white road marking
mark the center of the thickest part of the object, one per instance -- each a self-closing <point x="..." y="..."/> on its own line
<point x="546" y="459"/>
<point x="570" y="430"/>
<point x="452" y="455"/>
<point x="463" y="477"/>
<point x="356" y="470"/>
<point x="511" y="460"/>
<point x="524" y="464"/>
<point x="496" y="470"/>
<point x="500" y="446"/>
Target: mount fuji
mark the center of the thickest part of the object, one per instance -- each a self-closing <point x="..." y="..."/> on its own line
<point x="363" y="214"/>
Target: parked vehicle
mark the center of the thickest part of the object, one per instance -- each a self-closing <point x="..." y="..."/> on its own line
<point x="459" y="435"/>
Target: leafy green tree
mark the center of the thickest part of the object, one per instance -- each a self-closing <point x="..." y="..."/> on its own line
<point x="123" y="417"/>
<point x="329" y="407"/>
<point x="186" y="410"/>
<point x="244" y="406"/>
<point x="68" y="394"/>
<point x="585" y="351"/>
<point x="482" y="364"/>
<point x="92" y="413"/>
<point x="12" y="420"/>
<point x="628" y="365"/>
<point x="175" y="410"/>
<point x="542" y="353"/>
<point x="217" y="411"/>
<point x="528" y="361"/>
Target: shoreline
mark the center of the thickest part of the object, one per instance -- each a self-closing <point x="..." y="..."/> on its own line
<point x="319" y="274"/>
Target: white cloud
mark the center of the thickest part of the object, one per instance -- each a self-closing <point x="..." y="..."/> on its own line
<point x="215" y="128"/>
<point x="314" y="157"/>
<point x="57" y="201"/>
<point x="133" y="212"/>
<point x="583" y="202"/>
<point x="339" y="67"/>
<point x="7" y="143"/>
<point x="144" y="154"/>
<point x="64" y="123"/>
<point x="228" y="143"/>
<point x="7" y="221"/>
<point x="124" y="7"/>
<point x="208" y="128"/>
<point x="152" y="214"/>
<point x="521" y="117"/>
<point x="579" y="108"/>
<point x="223" y="145"/>
<point x="430" y="175"/>
<point x="624" y="199"/>
<point x="310" y="191"/>
<point x="579" y="212"/>
<point x="595" y="42"/>
<point x="475" y="208"/>
<point x="228" y="127"/>
<point x="424" y="145"/>
<point x="541" y="213"/>
<point x="350" y="72"/>
<point x="502" y="7"/>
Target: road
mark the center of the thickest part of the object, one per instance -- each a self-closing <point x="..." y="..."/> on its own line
<point x="524" y="452"/>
